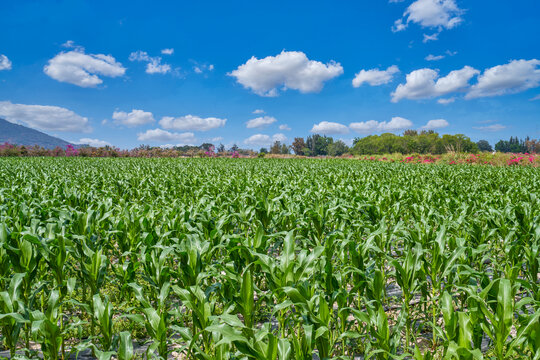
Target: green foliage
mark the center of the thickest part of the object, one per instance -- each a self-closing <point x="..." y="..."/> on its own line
<point x="269" y="259"/>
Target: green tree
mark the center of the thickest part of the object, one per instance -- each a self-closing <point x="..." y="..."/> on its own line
<point x="483" y="145"/>
<point x="298" y="146"/>
<point x="337" y="148"/>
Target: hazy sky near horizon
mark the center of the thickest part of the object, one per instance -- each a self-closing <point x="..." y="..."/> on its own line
<point x="252" y="72"/>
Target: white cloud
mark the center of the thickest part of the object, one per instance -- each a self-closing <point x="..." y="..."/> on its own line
<point x="258" y="111"/>
<point x="421" y="84"/>
<point x="431" y="57"/>
<point x="217" y="138"/>
<point x="431" y="14"/>
<point x="260" y="122"/>
<point x="446" y="101"/>
<point x="93" y="142"/>
<point x="284" y="127"/>
<point x="154" y="65"/>
<point x="139" y="56"/>
<point x="327" y="127"/>
<point x="490" y="128"/>
<point x="375" y="77"/>
<point x="396" y="123"/>
<point x="516" y="76"/>
<point x="258" y="139"/>
<point x="76" y="67"/>
<point x="44" y="117"/>
<point x="263" y="140"/>
<point x="279" y="137"/>
<point x="191" y="122"/>
<point x="450" y="53"/>
<point x="537" y="97"/>
<point x="159" y="135"/>
<point x="167" y="51"/>
<point x="432" y="37"/>
<point x="5" y="63"/>
<point x="133" y="118"/>
<point x="202" y="68"/>
<point x="288" y="70"/>
<point x="399" y="25"/>
<point x="435" y="124"/>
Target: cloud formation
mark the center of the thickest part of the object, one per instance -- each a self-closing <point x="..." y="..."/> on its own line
<point x="44" y="117"/>
<point x="490" y="128"/>
<point x="375" y="77"/>
<point x="133" y="118"/>
<point x="264" y="140"/>
<point x="435" y="124"/>
<point x="426" y="83"/>
<point x="93" y="142"/>
<point x="328" y="128"/>
<point x="84" y="70"/>
<point x="287" y="70"/>
<point x="153" y="63"/>
<point x="284" y="127"/>
<point x="516" y="76"/>
<point x="160" y="135"/>
<point x="260" y="122"/>
<point x="5" y="63"/>
<point x="191" y="122"/>
<point x="440" y="14"/>
<point x="396" y="123"/>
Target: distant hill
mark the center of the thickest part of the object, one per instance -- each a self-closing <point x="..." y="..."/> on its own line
<point x="22" y="135"/>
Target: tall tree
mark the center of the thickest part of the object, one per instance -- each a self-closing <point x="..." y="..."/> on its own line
<point x="298" y="146"/>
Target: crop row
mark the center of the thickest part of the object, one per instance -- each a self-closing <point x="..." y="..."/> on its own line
<point x="268" y="259"/>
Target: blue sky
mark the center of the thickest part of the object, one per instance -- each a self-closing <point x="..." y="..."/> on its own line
<point x="177" y="72"/>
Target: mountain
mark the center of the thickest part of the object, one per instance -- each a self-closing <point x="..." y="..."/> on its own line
<point x="22" y="135"/>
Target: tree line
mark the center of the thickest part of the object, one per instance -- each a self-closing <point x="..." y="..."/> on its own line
<point x="411" y="141"/>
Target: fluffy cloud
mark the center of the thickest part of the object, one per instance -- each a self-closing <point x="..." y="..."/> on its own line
<point x="76" y="67"/>
<point x="537" y="97"/>
<point x="288" y="70"/>
<point x="5" y="63"/>
<point x="191" y="122"/>
<point x="435" y="124"/>
<point x="431" y="14"/>
<point x="375" y="77"/>
<point x="93" y="142"/>
<point x="153" y="64"/>
<point x="516" y="76"/>
<point x="431" y="57"/>
<point x="167" y="51"/>
<point x="263" y="140"/>
<point x="258" y="111"/>
<point x="133" y="118"/>
<point x="396" y="123"/>
<point x="156" y="67"/>
<point x="159" y="135"/>
<point x="44" y="117"/>
<point x="490" y="128"/>
<point x="327" y="128"/>
<point x="260" y="122"/>
<point x="284" y="127"/>
<point x="425" y="83"/>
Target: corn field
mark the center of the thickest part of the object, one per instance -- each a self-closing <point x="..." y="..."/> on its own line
<point x="268" y="259"/>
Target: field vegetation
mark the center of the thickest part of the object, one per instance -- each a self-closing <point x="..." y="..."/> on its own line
<point x="268" y="259"/>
